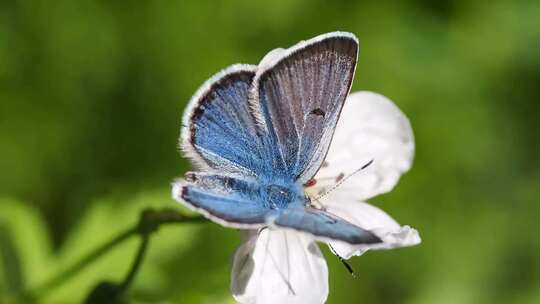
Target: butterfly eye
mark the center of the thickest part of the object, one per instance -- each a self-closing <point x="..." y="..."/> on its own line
<point x="318" y="112"/>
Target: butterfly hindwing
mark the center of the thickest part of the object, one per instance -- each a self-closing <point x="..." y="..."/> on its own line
<point x="324" y="226"/>
<point x="232" y="201"/>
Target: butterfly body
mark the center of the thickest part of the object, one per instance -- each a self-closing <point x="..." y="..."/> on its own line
<point x="279" y="196"/>
<point x="259" y="133"/>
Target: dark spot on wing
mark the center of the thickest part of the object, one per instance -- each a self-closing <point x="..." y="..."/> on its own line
<point x="340" y="177"/>
<point x="318" y="112"/>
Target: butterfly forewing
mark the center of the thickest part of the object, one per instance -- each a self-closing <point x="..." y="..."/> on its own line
<point x="300" y="95"/>
<point x="219" y="129"/>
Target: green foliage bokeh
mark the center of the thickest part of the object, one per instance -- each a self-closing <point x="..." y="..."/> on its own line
<point x="91" y="96"/>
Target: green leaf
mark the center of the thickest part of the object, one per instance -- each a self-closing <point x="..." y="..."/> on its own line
<point x="25" y="246"/>
<point x="11" y="265"/>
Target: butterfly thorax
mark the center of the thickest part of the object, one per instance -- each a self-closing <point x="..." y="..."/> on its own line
<point x="280" y="195"/>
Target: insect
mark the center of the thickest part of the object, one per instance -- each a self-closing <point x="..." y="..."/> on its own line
<point x="258" y="134"/>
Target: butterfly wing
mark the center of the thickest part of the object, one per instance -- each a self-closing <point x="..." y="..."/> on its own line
<point x="299" y="93"/>
<point x="228" y="200"/>
<point x="218" y="128"/>
<point x="272" y="121"/>
<point x="324" y="226"/>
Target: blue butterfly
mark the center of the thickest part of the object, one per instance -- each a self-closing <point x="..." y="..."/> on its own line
<point x="258" y="134"/>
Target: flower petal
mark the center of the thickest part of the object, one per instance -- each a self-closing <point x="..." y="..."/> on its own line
<point x="279" y="266"/>
<point x="371" y="127"/>
<point x="370" y="218"/>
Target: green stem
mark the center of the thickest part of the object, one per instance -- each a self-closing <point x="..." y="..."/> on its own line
<point x="74" y="269"/>
<point x="149" y="222"/>
<point x="136" y="264"/>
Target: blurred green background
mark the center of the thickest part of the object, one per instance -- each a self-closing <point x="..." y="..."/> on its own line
<point x="91" y="96"/>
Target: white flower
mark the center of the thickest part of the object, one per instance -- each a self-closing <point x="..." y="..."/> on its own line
<point x="285" y="266"/>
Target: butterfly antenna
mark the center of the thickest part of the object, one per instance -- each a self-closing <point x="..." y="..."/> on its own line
<point x="344" y="262"/>
<point x="343" y="180"/>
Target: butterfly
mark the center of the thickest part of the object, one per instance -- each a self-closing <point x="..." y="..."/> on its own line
<point x="258" y="134"/>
